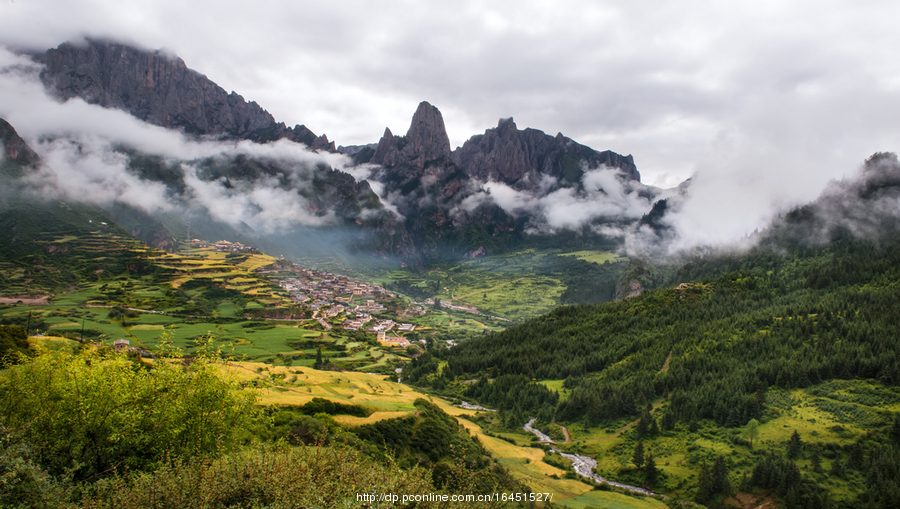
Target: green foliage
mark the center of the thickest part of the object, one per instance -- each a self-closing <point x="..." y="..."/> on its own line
<point x="433" y="439"/>
<point x="326" y="406"/>
<point x="13" y="342"/>
<point x="651" y="473"/>
<point x="277" y="477"/>
<point x="751" y="431"/>
<point x="88" y="414"/>
<point x="637" y="459"/>
<point x="794" y="445"/>
<point x="751" y="330"/>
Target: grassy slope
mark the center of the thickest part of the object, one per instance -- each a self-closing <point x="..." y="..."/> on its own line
<point x="298" y="385"/>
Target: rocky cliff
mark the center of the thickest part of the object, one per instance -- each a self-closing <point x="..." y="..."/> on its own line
<point x="14" y="150"/>
<point x="162" y="90"/>
<point x="523" y="159"/>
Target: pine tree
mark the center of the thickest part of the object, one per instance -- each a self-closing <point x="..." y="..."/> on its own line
<point x="855" y="458"/>
<point x="638" y="457"/>
<point x="720" y="482"/>
<point x="651" y="474"/>
<point x="895" y="431"/>
<point x="814" y="459"/>
<point x="793" y="446"/>
<point x="668" y="421"/>
<point x="318" y="364"/>
<point x="837" y="468"/>
<point x="643" y="425"/>
<point x="704" y="491"/>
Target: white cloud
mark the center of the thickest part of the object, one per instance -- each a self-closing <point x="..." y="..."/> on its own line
<point x="77" y="143"/>
<point x="801" y="91"/>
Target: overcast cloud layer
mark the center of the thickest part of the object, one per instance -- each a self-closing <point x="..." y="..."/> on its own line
<point x="764" y="101"/>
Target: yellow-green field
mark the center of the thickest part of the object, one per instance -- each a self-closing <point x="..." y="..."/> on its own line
<point x="389" y="400"/>
<point x="596" y="256"/>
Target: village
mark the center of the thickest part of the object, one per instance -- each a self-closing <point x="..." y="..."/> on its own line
<point x="330" y="296"/>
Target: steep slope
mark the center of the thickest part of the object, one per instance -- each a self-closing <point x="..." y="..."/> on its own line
<point x="524" y="159"/>
<point x="443" y="196"/>
<point x="160" y="89"/>
<point x="816" y="301"/>
<point x="15" y="154"/>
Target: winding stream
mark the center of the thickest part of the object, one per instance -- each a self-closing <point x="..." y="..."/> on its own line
<point x="583" y="465"/>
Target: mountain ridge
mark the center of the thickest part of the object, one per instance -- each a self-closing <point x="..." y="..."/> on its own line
<point x="442" y="196"/>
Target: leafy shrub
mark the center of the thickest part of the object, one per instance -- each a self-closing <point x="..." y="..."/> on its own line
<point x="91" y="413"/>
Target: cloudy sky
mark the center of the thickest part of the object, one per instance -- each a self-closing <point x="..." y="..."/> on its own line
<point x="765" y="99"/>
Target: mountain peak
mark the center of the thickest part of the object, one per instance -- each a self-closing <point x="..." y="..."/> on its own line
<point x="427" y="136"/>
<point x="523" y="158"/>
<point x="426" y="140"/>
<point x="159" y="88"/>
<point x="13" y="147"/>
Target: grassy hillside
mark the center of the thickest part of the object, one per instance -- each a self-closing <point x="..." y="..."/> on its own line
<point x="798" y="334"/>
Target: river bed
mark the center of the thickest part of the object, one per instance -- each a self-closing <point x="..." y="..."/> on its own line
<point x="583" y="465"/>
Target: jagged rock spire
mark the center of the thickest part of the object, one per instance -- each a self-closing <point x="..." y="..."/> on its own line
<point x="426" y="140"/>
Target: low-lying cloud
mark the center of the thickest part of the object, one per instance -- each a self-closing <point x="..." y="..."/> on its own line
<point x="80" y="147"/>
<point x="602" y="200"/>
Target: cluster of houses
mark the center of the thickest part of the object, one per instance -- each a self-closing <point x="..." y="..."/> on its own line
<point x="325" y="288"/>
<point x="224" y="246"/>
<point x="329" y="295"/>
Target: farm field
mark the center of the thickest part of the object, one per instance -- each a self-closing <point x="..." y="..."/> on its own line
<point x="511" y="287"/>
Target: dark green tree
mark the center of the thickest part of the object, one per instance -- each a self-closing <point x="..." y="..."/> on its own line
<point x="793" y="446"/>
<point x="855" y="458"/>
<point x="704" y="491"/>
<point x="814" y="459"/>
<point x="895" y="431"/>
<point x="651" y="473"/>
<point x="654" y="428"/>
<point x="318" y="363"/>
<point x="720" y="483"/>
<point x="638" y="457"/>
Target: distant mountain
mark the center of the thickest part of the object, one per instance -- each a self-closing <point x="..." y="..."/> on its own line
<point x="160" y="89"/>
<point x="15" y="153"/>
<point x="443" y="198"/>
<point x="523" y="159"/>
<point x="442" y="193"/>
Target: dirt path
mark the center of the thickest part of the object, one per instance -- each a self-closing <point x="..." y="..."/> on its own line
<point x="26" y="300"/>
<point x="666" y="364"/>
<point x="634" y="422"/>
<point x="565" y="433"/>
<point x="488" y="290"/>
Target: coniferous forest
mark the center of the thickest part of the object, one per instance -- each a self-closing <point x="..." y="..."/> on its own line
<point x="815" y="301"/>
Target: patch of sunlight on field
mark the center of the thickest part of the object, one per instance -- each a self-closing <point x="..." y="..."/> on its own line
<point x="612" y="500"/>
<point x="595" y="256"/>
<point x="389" y="400"/>
<point x="350" y="420"/>
<point x="145" y="326"/>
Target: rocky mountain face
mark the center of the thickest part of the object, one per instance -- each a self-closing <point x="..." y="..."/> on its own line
<point x="162" y="90"/>
<point x="440" y="192"/>
<point x="420" y="179"/>
<point x="441" y="195"/>
<point x="14" y="150"/>
<point x="523" y="159"/>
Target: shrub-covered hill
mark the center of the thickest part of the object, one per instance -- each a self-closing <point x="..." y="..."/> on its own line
<point x="48" y="246"/>
<point x="816" y="300"/>
<point x="99" y="429"/>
